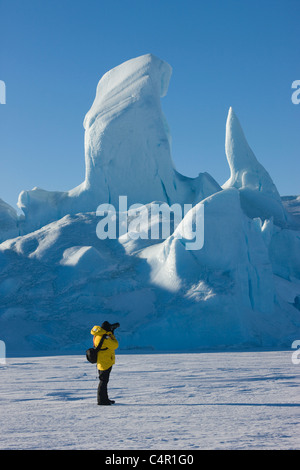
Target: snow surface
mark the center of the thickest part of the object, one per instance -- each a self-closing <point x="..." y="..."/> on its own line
<point x="58" y="279"/>
<point x="241" y="400"/>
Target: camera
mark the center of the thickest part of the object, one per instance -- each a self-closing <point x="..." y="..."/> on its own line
<point x="110" y="326"/>
<point x="114" y="326"/>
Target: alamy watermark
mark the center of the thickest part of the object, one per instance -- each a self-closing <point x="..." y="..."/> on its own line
<point x="296" y="354"/>
<point x="296" y="95"/>
<point x="152" y="221"/>
<point x="2" y="353"/>
<point x="2" y="92"/>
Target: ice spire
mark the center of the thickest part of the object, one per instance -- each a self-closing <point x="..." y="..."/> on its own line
<point x="127" y="150"/>
<point x="259" y="195"/>
<point x="246" y="171"/>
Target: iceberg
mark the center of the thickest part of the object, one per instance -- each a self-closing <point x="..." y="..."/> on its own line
<point x="259" y="195"/>
<point x="127" y="149"/>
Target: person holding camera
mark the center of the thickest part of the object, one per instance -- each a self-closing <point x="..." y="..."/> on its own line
<point x="105" y="357"/>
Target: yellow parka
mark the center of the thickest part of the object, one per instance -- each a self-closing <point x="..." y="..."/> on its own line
<point x="105" y="359"/>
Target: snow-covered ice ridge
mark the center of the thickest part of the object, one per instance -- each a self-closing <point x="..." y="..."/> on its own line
<point x="57" y="278"/>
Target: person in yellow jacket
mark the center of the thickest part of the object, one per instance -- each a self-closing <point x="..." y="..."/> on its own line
<point x="105" y="359"/>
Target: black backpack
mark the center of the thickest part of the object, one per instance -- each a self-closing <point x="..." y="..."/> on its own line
<point x="92" y="353"/>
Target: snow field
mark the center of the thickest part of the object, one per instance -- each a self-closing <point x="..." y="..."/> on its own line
<point x="232" y="400"/>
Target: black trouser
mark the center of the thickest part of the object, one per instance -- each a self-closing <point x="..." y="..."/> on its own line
<point x="102" y="396"/>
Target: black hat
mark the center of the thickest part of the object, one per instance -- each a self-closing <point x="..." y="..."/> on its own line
<point x="106" y="326"/>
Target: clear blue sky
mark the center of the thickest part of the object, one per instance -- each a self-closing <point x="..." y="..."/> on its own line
<point x="238" y="53"/>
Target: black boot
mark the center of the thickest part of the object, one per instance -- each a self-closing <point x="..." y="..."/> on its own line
<point x="102" y="396"/>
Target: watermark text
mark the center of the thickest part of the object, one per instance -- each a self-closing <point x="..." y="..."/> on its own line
<point x="2" y="352"/>
<point x="2" y="92"/>
<point x="153" y="221"/>
<point x="296" y="354"/>
<point x="296" y="94"/>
